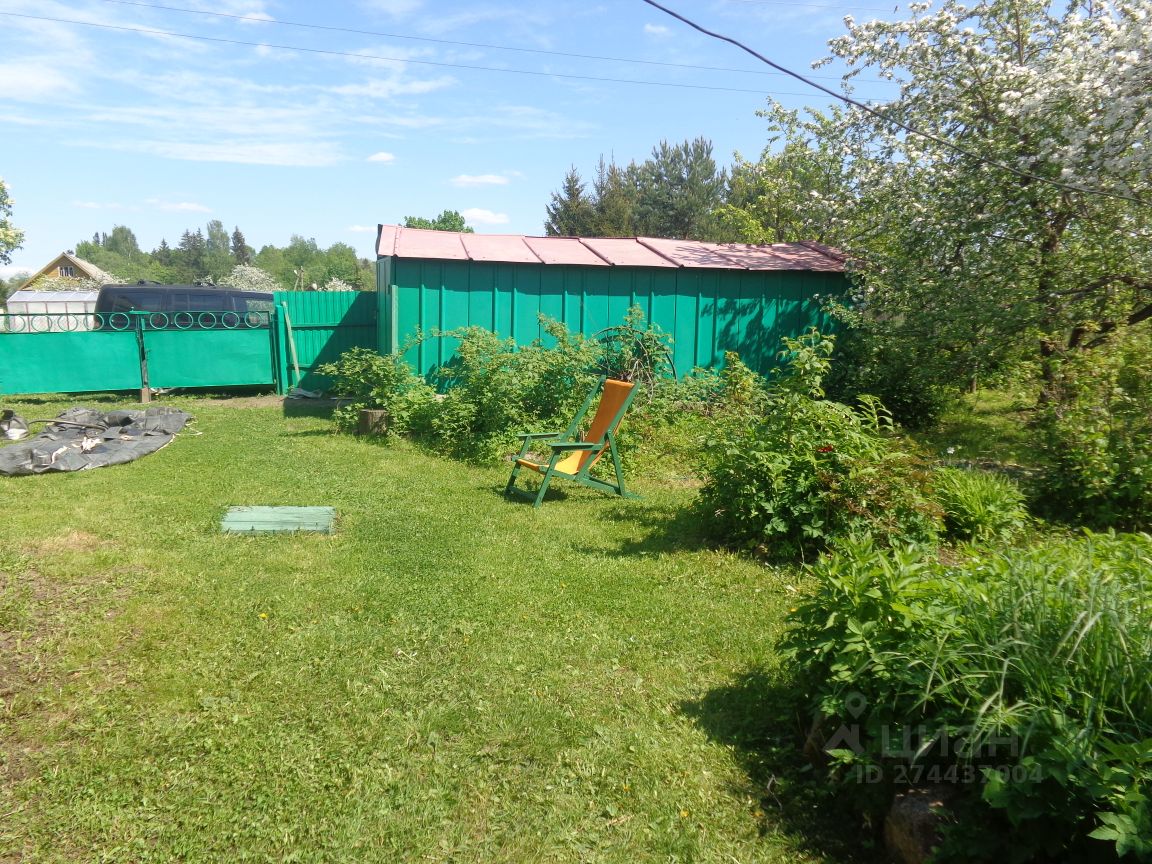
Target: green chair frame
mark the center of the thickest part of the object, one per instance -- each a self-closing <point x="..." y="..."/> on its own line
<point x="568" y="443"/>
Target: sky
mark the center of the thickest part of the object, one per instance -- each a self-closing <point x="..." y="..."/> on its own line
<point x="323" y="119"/>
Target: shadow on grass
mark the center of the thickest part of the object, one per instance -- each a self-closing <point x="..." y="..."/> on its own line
<point x="316" y="433"/>
<point x="756" y="716"/>
<point x="321" y="408"/>
<point x="658" y="528"/>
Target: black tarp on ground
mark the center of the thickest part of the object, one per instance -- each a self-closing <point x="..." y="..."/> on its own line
<point x="83" y="438"/>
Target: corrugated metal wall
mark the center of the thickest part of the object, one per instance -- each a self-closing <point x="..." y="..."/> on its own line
<point x="706" y="312"/>
<point x="323" y="326"/>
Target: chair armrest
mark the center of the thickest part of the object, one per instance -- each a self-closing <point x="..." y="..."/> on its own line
<point x="563" y="446"/>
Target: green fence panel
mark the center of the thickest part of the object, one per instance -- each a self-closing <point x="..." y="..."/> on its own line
<point x="68" y="362"/>
<point x="209" y="358"/>
<point x="324" y="324"/>
<point x="705" y="312"/>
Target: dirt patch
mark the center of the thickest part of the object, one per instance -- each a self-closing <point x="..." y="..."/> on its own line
<point x="73" y="541"/>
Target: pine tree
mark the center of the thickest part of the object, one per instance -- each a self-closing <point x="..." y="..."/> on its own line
<point x="241" y="251"/>
<point x="679" y="188"/>
<point x="614" y="191"/>
<point x="571" y="213"/>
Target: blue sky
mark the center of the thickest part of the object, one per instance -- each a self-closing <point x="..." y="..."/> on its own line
<point x="285" y="129"/>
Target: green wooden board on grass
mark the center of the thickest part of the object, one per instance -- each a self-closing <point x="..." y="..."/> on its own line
<point x="268" y="520"/>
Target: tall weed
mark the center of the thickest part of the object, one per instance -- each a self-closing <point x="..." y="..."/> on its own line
<point x="980" y="506"/>
<point x="1026" y="673"/>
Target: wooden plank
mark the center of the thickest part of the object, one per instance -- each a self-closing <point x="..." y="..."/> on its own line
<point x="267" y="520"/>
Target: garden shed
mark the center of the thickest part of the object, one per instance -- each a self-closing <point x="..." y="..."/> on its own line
<point x="709" y="297"/>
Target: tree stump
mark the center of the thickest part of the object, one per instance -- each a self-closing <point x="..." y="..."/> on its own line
<point x="373" y="421"/>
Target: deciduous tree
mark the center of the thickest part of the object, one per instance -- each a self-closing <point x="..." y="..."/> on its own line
<point x="1018" y="212"/>
<point x="10" y="236"/>
<point x="448" y="220"/>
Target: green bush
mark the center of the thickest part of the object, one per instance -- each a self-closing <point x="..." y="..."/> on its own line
<point x="903" y="374"/>
<point x="1095" y="430"/>
<point x="979" y="506"/>
<point x="809" y="470"/>
<point x="377" y="381"/>
<point x="496" y="390"/>
<point x="1021" y="676"/>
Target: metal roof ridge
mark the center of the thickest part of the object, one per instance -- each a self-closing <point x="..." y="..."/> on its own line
<point x="580" y="240"/>
<point x="653" y="249"/>
<point x="531" y="251"/>
<point x="827" y="251"/>
<point x="720" y="248"/>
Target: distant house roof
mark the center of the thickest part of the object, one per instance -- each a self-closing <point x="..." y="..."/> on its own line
<point x="395" y="241"/>
<point x="34" y="296"/>
<point x="84" y="269"/>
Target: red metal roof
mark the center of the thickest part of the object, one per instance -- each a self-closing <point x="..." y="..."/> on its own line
<point x="601" y="251"/>
<point x="564" y="250"/>
<point x="498" y="247"/>
<point x="690" y="253"/>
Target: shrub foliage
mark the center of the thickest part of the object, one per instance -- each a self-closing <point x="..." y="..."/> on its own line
<point x="809" y="470"/>
<point x="1096" y="431"/>
<point x="1021" y="676"/>
<point x="371" y="380"/>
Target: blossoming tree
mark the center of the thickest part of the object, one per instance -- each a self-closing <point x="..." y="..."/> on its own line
<point x="1000" y="202"/>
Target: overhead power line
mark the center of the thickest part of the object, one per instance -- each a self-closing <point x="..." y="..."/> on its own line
<point x="519" y="49"/>
<point x="911" y="130"/>
<point x="148" y="31"/>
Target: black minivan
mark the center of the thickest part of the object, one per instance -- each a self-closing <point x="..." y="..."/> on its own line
<point x="182" y="306"/>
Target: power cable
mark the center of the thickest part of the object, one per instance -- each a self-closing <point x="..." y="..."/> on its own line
<point x="332" y="53"/>
<point x="911" y="130"/>
<point x="327" y="27"/>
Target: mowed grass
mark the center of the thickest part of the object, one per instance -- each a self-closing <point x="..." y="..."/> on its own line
<point x="449" y="677"/>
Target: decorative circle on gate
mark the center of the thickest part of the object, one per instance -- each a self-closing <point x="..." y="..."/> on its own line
<point x="252" y="320"/>
<point x="230" y="320"/>
<point x="183" y="320"/>
<point x="118" y="321"/>
<point x="158" y="321"/>
<point x="206" y="319"/>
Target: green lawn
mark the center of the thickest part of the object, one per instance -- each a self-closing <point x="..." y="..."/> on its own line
<point x="449" y="677"/>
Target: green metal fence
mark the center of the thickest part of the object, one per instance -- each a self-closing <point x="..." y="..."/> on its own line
<point x="315" y="328"/>
<point x="69" y="353"/>
<point x="706" y="312"/>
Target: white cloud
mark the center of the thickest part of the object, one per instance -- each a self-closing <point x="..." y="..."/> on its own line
<point x="280" y="153"/>
<point x="7" y="271"/>
<point x="479" y="180"/>
<point x="656" y="30"/>
<point x="386" y="88"/>
<point x="178" y="206"/>
<point x="395" y="8"/>
<point x="30" y="82"/>
<point x="484" y="217"/>
<point x="382" y="156"/>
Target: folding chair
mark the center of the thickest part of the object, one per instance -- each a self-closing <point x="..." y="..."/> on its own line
<point x="574" y="455"/>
